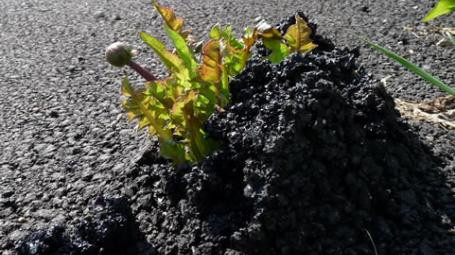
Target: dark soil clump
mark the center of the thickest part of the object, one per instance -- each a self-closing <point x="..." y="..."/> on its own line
<point x="109" y="228"/>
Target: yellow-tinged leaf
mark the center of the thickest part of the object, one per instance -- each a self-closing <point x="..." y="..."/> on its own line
<point x="190" y="96"/>
<point x="168" y="14"/>
<point x="265" y="30"/>
<point x="299" y="36"/>
<point x="177" y="108"/>
<point x="249" y="38"/>
<point x="126" y="89"/>
<point x="147" y="110"/>
<point x="143" y="123"/>
<point x="210" y="69"/>
<point x="215" y="33"/>
<point x="131" y="116"/>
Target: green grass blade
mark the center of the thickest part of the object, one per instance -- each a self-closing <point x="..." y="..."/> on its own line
<point x="451" y="39"/>
<point x="413" y="68"/>
<point x="443" y="7"/>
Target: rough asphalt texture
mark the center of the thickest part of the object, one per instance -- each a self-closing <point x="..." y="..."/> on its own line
<point x="63" y="138"/>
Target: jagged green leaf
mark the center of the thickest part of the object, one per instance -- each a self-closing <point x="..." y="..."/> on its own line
<point x="171" y="61"/>
<point x="162" y="91"/>
<point x="215" y="33"/>
<point x="148" y="112"/>
<point x="185" y="53"/>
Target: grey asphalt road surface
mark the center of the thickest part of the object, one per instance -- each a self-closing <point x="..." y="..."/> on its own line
<point x="63" y="137"/>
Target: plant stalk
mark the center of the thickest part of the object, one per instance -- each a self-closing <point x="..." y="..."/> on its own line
<point x="142" y="71"/>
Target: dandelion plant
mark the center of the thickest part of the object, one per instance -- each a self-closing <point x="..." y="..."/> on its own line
<point x="176" y="108"/>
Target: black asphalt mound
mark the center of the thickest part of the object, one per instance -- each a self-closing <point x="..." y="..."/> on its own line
<point x="109" y="229"/>
<point x="315" y="160"/>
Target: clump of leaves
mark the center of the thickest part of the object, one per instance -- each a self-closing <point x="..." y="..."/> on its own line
<point x="443" y="7"/>
<point x="175" y="108"/>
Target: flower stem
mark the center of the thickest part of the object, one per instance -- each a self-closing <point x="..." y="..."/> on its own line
<point x="143" y="72"/>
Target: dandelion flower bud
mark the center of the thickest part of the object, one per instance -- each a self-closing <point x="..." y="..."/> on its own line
<point x="119" y="54"/>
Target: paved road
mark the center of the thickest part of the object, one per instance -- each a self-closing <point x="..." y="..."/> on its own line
<point x="63" y="138"/>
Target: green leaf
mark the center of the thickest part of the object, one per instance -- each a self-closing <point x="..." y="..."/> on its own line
<point x="185" y="53"/>
<point x="225" y="93"/>
<point x="150" y="113"/>
<point x="235" y="52"/>
<point x="126" y="89"/>
<point x="172" y="150"/>
<point x="215" y="33"/>
<point x="442" y="7"/>
<point x="413" y="68"/>
<point x="279" y="50"/>
<point x="162" y="91"/>
<point x="170" y="60"/>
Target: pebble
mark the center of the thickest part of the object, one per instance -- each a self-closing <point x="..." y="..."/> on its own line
<point x="100" y="14"/>
<point x="44" y="213"/>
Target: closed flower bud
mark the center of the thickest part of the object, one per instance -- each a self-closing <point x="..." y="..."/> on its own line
<point x="119" y="54"/>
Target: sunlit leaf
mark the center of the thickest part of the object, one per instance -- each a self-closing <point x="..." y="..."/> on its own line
<point x="168" y="14"/>
<point x="442" y="7"/>
<point x="225" y="93"/>
<point x="210" y="69"/>
<point x="249" y="38"/>
<point x="235" y="52"/>
<point x="215" y="33"/>
<point x="170" y="60"/>
<point x="298" y="36"/>
<point x="161" y="91"/>
<point x="185" y="53"/>
<point x="272" y="40"/>
<point x="148" y="112"/>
